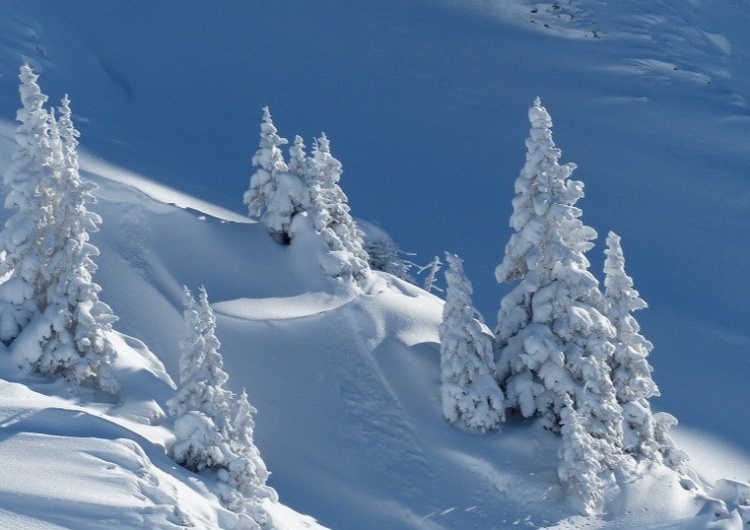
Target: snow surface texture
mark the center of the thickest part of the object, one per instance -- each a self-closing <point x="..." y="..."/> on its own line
<point x="371" y="393"/>
<point x="654" y="113"/>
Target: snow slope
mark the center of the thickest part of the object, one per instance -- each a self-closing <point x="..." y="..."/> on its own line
<point x="649" y="98"/>
<point x="347" y="388"/>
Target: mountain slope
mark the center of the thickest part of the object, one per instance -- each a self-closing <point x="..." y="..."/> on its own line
<point x="346" y="385"/>
<point x="649" y="98"/>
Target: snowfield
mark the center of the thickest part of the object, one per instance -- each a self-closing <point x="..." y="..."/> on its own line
<point x="425" y="103"/>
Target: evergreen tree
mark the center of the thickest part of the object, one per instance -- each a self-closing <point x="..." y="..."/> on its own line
<point x="298" y="161"/>
<point x="331" y="217"/>
<point x="199" y="445"/>
<point x="631" y="372"/>
<point x="553" y="339"/>
<point x="383" y="254"/>
<point x="469" y="391"/>
<point x="202" y="377"/>
<point x="212" y="433"/>
<point x="75" y="342"/>
<point x="275" y="195"/>
<point x="48" y="297"/>
<point x="247" y="471"/>
<point x="33" y="165"/>
<point x="307" y="187"/>
<point x="580" y="460"/>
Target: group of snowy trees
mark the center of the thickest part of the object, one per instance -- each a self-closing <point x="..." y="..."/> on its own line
<point x="213" y="430"/>
<point x="53" y="322"/>
<point x="303" y="195"/>
<point x="564" y="352"/>
<point x="50" y="313"/>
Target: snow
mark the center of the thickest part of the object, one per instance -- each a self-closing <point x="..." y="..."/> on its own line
<point x="426" y="103"/>
<point x="280" y="308"/>
<point x="712" y="457"/>
<point x="159" y="192"/>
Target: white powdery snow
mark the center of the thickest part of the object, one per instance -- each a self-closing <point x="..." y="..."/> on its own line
<point x="647" y="112"/>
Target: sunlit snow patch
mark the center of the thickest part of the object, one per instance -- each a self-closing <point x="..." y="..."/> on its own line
<point x="712" y="457"/>
<point x="154" y="190"/>
<point x="280" y="308"/>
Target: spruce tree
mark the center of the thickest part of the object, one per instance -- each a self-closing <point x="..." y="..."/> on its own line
<point x="275" y="195"/>
<point x="27" y="179"/>
<point x="75" y="342"/>
<point x="631" y="371"/>
<point x="49" y="299"/>
<point x="331" y="217"/>
<point x="298" y="160"/>
<point x="213" y="433"/>
<point x="383" y="254"/>
<point x="552" y="337"/>
<point x="469" y="392"/>
<point x="247" y="470"/>
<point x="202" y="377"/>
<point x="581" y="461"/>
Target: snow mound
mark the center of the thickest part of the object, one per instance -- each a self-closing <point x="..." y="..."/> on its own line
<point x="280" y="308"/>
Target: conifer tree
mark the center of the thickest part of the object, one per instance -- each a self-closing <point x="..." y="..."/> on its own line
<point x="307" y="187"/>
<point x="469" y="392"/>
<point x="581" y="463"/>
<point x="247" y="470"/>
<point x="213" y="434"/>
<point x="383" y="254"/>
<point x="553" y="339"/>
<point x="331" y="217"/>
<point x="49" y="297"/>
<point x="275" y="195"/>
<point x="631" y="372"/>
<point x="298" y="160"/>
<point x="75" y="342"/>
<point x="22" y="293"/>
<point x="202" y="377"/>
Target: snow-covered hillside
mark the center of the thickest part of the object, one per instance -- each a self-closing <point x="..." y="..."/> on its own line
<point x="425" y="103"/>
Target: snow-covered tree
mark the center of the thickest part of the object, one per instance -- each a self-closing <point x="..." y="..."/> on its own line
<point x="553" y="339"/>
<point x="213" y="433"/>
<point x="673" y="457"/>
<point x="199" y="445"/>
<point x="631" y="372"/>
<point x="581" y="461"/>
<point x="469" y="392"/>
<point x="306" y="188"/>
<point x="383" y="254"/>
<point x="247" y="471"/>
<point x="202" y="377"/>
<point x="48" y="261"/>
<point x="298" y="161"/>
<point x="276" y="194"/>
<point x="75" y="341"/>
<point x="27" y="179"/>
<point x="432" y="269"/>
<point x="330" y="214"/>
